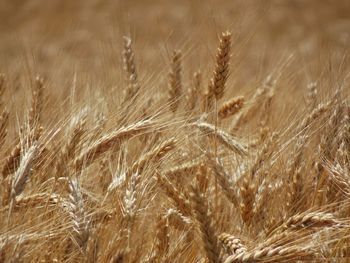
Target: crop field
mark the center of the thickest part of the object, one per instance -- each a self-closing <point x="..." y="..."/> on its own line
<point x="209" y="131"/>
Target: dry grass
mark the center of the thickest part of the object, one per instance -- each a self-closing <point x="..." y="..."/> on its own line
<point x="115" y="146"/>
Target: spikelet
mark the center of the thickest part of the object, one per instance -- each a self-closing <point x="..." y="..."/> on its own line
<point x="130" y="207"/>
<point x="272" y="254"/>
<point x="12" y="161"/>
<point x="34" y="200"/>
<point x="194" y="91"/>
<point x="343" y="151"/>
<point x="263" y="194"/>
<point x="312" y="95"/>
<point x="232" y="244"/>
<point x="209" y="239"/>
<point x="80" y="223"/>
<point x="23" y="172"/>
<point x="2" y="88"/>
<point x="264" y="93"/>
<point x="202" y="178"/>
<point x="35" y="111"/>
<point x="221" y="72"/>
<point x="312" y="220"/>
<point x="177" y="220"/>
<point x="130" y="70"/>
<point x="263" y="155"/>
<point x="249" y="188"/>
<point x="294" y="166"/>
<point x="222" y="178"/>
<point x="175" y="82"/>
<point x="247" y="191"/>
<point x="179" y="171"/>
<point x="4" y="118"/>
<point x="20" y="178"/>
<point x="231" y="107"/>
<point x="130" y="199"/>
<point x="316" y="113"/>
<point x="162" y="237"/>
<point x="105" y="176"/>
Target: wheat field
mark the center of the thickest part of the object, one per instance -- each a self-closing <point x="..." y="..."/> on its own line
<point x="174" y="131"/>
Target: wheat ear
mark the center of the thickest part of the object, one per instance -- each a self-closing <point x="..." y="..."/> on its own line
<point x="106" y="142"/>
<point x="21" y="176"/>
<point x="271" y="254"/>
<point x="232" y="244"/>
<point x="222" y="177"/>
<point x="311" y="220"/>
<point x="78" y="214"/>
<point x="175" y="82"/>
<point x="209" y="239"/>
<point x="4" y="118"/>
<point x="173" y="193"/>
<point x="231" y="107"/>
<point x="130" y="69"/>
<point x="194" y="91"/>
<point x="154" y="155"/>
<point x="221" y="72"/>
<point x="35" y="111"/>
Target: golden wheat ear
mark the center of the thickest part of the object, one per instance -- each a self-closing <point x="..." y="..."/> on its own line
<point x="217" y="83"/>
<point x="231" y="107"/>
<point x="108" y="141"/>
<point x="133" y="85"/>
<point x="175" y="81"/>
<point x="193" y="92"/>
<point x="35" y="112"/>
<point x="205" y="226"/>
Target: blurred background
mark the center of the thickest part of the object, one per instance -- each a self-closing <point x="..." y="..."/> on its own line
<point x="60" y="38"/>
